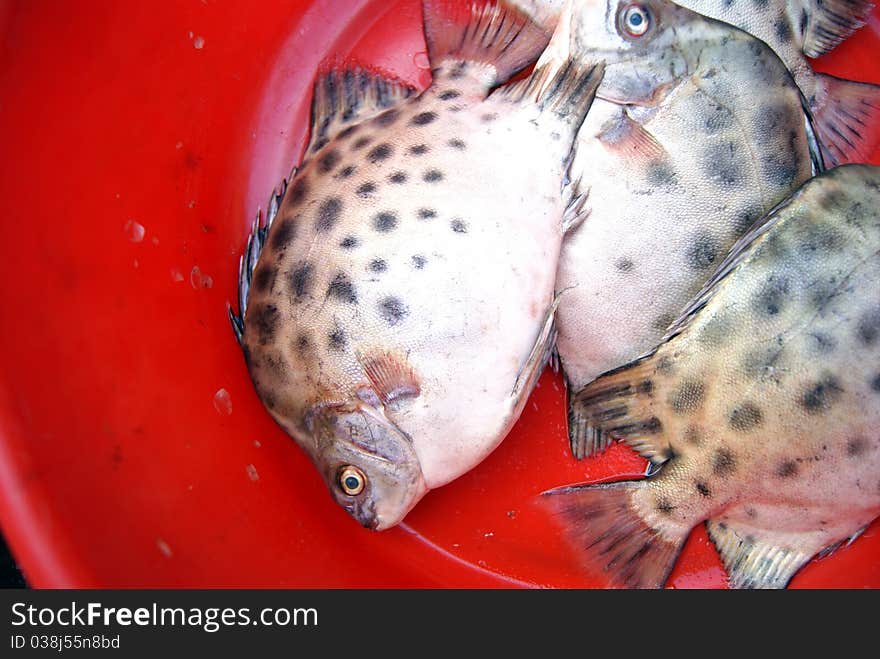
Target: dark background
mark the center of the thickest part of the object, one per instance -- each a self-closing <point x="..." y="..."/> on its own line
<point x="10" y="575"/>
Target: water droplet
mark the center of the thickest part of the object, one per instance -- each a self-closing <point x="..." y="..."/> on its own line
<point x="488" y="535"/>
<point x="176" y="275"/>
<point x="179" y="145"/>
<point x="257" y="443"/>
<point x="190" y="34"/>
<point x="223" y="402"/>
<point x="154" y="240"/>
<point x="421" y="60"/>
<point x="164" y="548"/>
<point x="198" y="43"/>
<point x="136" y="264"/>
<point x="199" y="279"/>
<point x="191" y="204"/>
<point x="252" y="472"/>
<point x="134" y="231"/>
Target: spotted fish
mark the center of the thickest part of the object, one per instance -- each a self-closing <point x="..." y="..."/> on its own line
<point x="697" y="132"/>
<point x="761" y="410"/>
<point x="401" y="306"/>
<point x="847" y="113"/>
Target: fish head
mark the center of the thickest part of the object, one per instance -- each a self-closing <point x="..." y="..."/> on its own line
<point x="647" y="45"/>
<point x="368" y="463"/>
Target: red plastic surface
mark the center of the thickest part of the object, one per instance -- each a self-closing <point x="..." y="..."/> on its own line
<point x="116" y="466"/>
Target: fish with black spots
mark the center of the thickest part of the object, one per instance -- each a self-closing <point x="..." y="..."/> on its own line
<point x="393" y="318"/>
<point x="698" y="131"/>
<point x="847" y="112"/>
<point x="761" y="410"/>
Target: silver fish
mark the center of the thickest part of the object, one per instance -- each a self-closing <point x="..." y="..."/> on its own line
<point x="761" y="409"/>
<point x="397" y="319"/>
<point x="697" y="132"/>
<point x="847" y="113"/>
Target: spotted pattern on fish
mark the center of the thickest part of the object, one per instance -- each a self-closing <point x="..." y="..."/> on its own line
<point x="703" y="252"/>
<point x="328" y="214"/>
<point x="393" y="310"/>
<point x="265" y="278"/>
<point x="424" y="118"/>
<point x="341" y="288"/>
<point x="624" y="264"/>
<point x="302" y="280"/>
<point x="821" y="396"/>
<point x="366" y="189"/>
<point x="458" y="226"/>
<point x="285" y="232"/>
<point x="746" y="417"/>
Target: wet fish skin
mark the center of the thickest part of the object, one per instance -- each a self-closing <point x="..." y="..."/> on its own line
<point x="386" y="330"/>
<point x="763" y="406"/>
<point x="847" y="113"/>
<point x="719" y="140"/>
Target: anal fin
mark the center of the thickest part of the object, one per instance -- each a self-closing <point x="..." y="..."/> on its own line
<point x="618" y="405"/>
<point x="603" y="525"/>
<point x="755" y="563"/>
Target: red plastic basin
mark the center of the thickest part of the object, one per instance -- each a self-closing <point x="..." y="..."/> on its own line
<point x="116" y="466"/>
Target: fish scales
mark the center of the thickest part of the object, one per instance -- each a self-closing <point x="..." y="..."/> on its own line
<point x="398" y="319"/>
<point x="698" y="131"/>
<point x="846" y="112"/>
<point x="765" y="401"/>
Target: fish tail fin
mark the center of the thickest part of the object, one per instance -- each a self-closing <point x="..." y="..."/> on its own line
<point x="756" y="563"/>
<point x="482" y="32"/>
<point x="832" y="22"/>
<point x="247" y="263"/>
<point x="618" y="405"/>
<point x="604" y="525"/>
<point x="343" y="97"/>
<point x="847" y="115"/>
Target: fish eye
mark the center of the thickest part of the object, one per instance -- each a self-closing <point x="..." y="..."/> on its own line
<point x="352" y="480"/>
<point x="635" y="20"/>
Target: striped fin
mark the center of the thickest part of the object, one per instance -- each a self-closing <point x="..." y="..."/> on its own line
<point x="618" y="405"/>
<point x="830" y="22"/>
<point x="609" y="535"/>
<point x="248" y="261"/>
<point x="751" y="563"/>
<point x="344" y="97"/>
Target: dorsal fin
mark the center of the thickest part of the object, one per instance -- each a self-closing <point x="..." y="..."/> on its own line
<point x="344" y="97"/>
<point x="248" y="261"/>
<point x="830" y="22"/>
